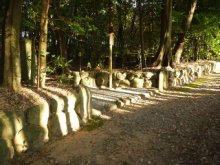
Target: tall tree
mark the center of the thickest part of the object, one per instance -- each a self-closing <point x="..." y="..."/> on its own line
<point x="178" y="49"/>
<point x="43" y="44"/>
<point x="12" y="68"/>
<point x="120" y="33"/>
<point x="2" y="25"/>
<point x="164" y="52"/>
<point x="141" y="31"/>
<point x="58" y="32"/>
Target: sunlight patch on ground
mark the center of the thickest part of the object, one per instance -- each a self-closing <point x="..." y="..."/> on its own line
<point x="106" y="117"/>
<point x="32" y="95"/>
<point x="122" y="111"/>
<point x="161" y="98"/>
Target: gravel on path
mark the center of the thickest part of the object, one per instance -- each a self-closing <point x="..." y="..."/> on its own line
<point x="180" y="126"/>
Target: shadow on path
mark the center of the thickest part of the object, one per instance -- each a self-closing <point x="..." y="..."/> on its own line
<point x="179" y="126"/>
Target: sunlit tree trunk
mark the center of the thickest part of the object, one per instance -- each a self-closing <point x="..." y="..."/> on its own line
<point x="26" y="58"/>
<point x="33" y="61"/>
<point x="178" y="49"/>
<point x="43" y="44"/>
<point x="12" y="66"/>
<point x="164" y="52"/>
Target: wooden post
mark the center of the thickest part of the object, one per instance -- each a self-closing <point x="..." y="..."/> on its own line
<point x="80" y="61"/>
<point x="161" y="81"/>
<point x="111" y="43"/>
<point x="111" y="39"/>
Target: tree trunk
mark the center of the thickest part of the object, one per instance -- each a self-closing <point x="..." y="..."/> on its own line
<point x="33" y="62"/>
<point x="195" y="50"/>
<point x="2" y="47"/>
<point x="133" y="23"/>
<point x="12" y="65"/>
<point x="120" y="36"/>
<point x="59" y="34"/>
<point x="143" y="61"/>
<point x="164" y="52"/>
<point x="42" y="53"/>
<point x="178" y="49"/>
<point x="61" y="44"/>
<point x="25" y="59"/>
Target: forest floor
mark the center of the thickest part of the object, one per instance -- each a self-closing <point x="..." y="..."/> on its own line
<point x="178" y="126"/>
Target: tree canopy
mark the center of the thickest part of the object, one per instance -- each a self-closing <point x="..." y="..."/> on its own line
<point x="77" y="33"/>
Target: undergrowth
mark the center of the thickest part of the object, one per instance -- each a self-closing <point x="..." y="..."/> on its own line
<point x="93" y="124"/>
<point x="195" y="84"/>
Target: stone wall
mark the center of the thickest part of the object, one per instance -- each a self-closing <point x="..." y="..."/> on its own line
<point x="121" y="79"/>
<point x="66" y="111"/>
<point x="186" y="74"/>
<point x="162" y="79"/>
<point x="62" y="113"/>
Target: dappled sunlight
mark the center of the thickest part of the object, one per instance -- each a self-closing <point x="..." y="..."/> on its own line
<point x="122" y="111"/>
<point x="161" y="99"/>
<point x="43" y="113"/>
<point x="7" y="132"/>
<point x="20" y="140"/>
<point x="74" y="121"/>
<point x="106" y="117"/>
<point x="32" y="95"/>
<point x="44" y="116"/>
<point x="57" y="111"/>
<point x="62" y="123"/>
<point x="136" y="105"/>
<point x="69" y="99"/>
<point x="6" y="125"/>
<point x="68" y="66"/>
<point x="11" y="124"/>
<point x="205" y="89"/>
<point x="143" y="94"/>
<point x="104" y="98"/>
<point x="176" y="96"/>
<point x="10" y="148"/>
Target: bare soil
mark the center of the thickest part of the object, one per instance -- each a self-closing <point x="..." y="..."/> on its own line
<point x="179" y="126"/>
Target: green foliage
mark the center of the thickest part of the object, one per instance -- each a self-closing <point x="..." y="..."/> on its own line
<point x="61" y="66"/>
<point x="31" y="15"/>
<point x="94" y="123"/>
<point x="65" y="79"/>
<point x="178" y="16"/>
<point x="78" y="26"/>
<point x="83" y="27"/>
<point x="205" y="35"/>
<point x="58" y="63"/>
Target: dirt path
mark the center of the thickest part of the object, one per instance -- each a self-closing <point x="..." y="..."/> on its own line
<point x="180" y="126"/>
